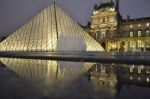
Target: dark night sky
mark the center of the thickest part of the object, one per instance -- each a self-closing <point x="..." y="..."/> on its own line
<point x="14" y="13"/>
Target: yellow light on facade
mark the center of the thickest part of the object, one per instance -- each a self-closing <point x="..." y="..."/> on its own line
<point x="95" y="12"/>
<point x="113" y="45"/>
<point x="112" y="9"/>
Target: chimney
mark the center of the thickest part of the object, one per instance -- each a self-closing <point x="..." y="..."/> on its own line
<point x="117" y="5"/>
<point x="128" y="17"/>
<point x="95" y="6"/>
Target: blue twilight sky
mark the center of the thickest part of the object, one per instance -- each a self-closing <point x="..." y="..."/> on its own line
<point x="14" y="13"/>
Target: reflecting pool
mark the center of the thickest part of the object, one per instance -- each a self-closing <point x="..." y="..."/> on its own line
<point x="47" y="79"/>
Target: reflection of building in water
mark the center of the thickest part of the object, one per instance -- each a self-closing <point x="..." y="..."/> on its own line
<point x="50" y="77"/>
<point x="103" y="79"/>
<point x="135" y="75"/>
<point x="105" y="74"/>
<point x="111" y="75"/>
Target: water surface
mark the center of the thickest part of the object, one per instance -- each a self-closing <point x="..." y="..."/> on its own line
<point x="47" y="79"/>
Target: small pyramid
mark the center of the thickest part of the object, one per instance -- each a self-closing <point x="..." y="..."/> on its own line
<point x="45" y="32"/>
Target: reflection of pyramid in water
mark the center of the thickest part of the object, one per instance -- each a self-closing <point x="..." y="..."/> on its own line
<point x="44" y="69"/>
<point x="44" y="31"/>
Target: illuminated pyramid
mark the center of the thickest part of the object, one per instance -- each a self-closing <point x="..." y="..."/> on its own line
<point x="50" y="30"/>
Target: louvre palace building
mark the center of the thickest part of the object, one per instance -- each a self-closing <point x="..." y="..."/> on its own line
<point x="115" y="33"/>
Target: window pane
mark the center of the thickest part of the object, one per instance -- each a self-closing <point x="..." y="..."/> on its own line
<point x="147" y="32"/>
<point x="139" y="33"/>
<point x="131" y="34"/>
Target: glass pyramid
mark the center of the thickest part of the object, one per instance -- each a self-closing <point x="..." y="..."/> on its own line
<point x="50" y="30"/>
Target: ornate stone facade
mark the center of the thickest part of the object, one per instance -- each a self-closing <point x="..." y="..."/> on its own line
<point x="117" y="34"/>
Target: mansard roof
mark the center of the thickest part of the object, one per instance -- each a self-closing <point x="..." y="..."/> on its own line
<point x="105" y="5"/>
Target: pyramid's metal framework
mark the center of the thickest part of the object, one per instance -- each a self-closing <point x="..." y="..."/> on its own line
<point x="43" y="32"/>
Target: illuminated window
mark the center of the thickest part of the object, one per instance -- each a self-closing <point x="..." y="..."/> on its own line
<point x="139" y="78"/>
<point x="147" y="71"/>
<point x="147" y="79"/>
<point x="147" y="43"/>
<point x="102" y="69"/>
<point x="140" y="43"/>
<point x="96" y="68"/>
<point x="147" y="32"/>
<point x="131" y="44"/>
<point x="139" y="25"/>
<point x="142" y="66"/>
<point x="131" y="69"/>
<point x="103" y="35"/>
<point x="147" y="24"/>
<point x="139" y="33"/>
<point x="96" y="35"/>
<point x="131" y="26"/>
<point x="133" y="66"/>
<point x="139" y="70"/>
<point x="131" y="77"/>
<point x="131" y="34"/>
